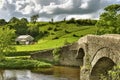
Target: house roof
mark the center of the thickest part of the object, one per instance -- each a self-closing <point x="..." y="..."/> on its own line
<point x="24" y="38"/>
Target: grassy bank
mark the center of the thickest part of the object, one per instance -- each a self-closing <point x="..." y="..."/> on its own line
<point x="45" y="44"/>
<point x="58" y="36"/>
<point x="12" y="63"/>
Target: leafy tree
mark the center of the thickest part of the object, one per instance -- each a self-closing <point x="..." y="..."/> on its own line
<point x="19" y="25"/>
<point x="2" y="22"/>
<point x="33" y="29"/>
<point x="34" y="18"/>
<point x="52" y="20"/>
<point x="24" y="20"/>
<point x="64" y="19"/>
<point x="6" y="36"/>
<point x="109" y="20"/>
<point x="14" y="20"/>
<point x="72" y="20"/>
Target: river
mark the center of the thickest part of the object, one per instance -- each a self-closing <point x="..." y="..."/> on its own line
<point x="56" y="73"/>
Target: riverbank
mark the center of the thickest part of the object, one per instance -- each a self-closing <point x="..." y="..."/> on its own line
<point x="12" y="63"/>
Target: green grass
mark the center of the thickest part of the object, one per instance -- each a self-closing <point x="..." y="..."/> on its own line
<point x="22" y="64"/>
<point x="45" y="44"/>
<point x="82" y="32"/>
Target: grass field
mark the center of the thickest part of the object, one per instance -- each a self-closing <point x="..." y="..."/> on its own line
<point x="48" y="42"/>
<point x="45" y="44"/>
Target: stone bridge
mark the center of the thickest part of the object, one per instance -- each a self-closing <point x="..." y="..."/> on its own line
<point x="94" y="54"/>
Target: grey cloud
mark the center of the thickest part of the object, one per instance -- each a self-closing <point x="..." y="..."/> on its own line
<point x="57" y="9"/>
<point x="93" y="5"/>
<point x="7" y="6"/>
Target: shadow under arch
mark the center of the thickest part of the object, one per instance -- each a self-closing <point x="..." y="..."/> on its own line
<point x="80" y="55"/>
<point x="102" y="66"/>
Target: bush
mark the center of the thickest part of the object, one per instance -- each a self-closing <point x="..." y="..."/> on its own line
<point x="74" y="35"/>
<point x="56" y="55"/>
<point x="66" y="31"/>
<point x="46" y="32"/>
<point x="55" y="29"/>
<point x="50" y="28"/>
<point x="55" y="38"/>
<point x="23" y="64"/>
<point x="113" y="74"/>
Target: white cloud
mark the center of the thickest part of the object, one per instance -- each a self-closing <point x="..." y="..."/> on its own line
<point x="84" y="5"/>
<point x="57" y="9"/>
<point x="79" y="16"/>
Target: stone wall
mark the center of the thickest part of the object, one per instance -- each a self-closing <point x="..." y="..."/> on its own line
<point x="44" y="54"/>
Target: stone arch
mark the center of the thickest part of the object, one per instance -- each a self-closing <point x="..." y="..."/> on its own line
<point x="103" y="65"/>
<point x="103" y="52"/>
<point x="80" y="55"/>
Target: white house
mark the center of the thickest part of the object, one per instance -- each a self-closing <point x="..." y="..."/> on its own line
<point x="24" y="39"/>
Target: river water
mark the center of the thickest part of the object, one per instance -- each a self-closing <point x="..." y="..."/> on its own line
<point x="56" y="73"/>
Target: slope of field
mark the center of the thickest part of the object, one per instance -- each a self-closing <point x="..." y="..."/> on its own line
<point x="58" y="34"/>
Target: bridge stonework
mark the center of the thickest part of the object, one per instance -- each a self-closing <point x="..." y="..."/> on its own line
<point x="102" y="53"/>
<point x="94" y="54"/>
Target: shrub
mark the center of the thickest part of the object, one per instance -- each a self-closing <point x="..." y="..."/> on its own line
<point x="56" y="55"/>
<point x="23" y="64"/>
<point x="49" y="28"/>
<point x="46" y="32"/>
<point x="113" y="74"/>
<point x="55" y="38"/>
<point x="66" y="31"/>
<point x="55" y="29"/>
<point x="74" y="35"/>
<point x="52" y="33"/>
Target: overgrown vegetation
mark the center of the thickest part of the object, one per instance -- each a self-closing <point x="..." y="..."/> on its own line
<point x="113" y="74"/>
<point x="109" y="20"/>
<point x="23" y="64"/>
<point x="6" y="36"/>
<point x="56" y="55"/>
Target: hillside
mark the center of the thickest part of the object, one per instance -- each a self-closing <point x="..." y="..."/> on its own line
<point x="57" y="34"/>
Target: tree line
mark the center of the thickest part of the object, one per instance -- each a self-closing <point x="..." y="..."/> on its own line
<point x="23" y="26"/>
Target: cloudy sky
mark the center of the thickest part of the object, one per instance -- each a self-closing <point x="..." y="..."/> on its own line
<point x="56" y="9"/>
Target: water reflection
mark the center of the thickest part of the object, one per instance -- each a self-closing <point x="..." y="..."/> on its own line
<point x="68" y="72"/>
<point x="59" y="73"/>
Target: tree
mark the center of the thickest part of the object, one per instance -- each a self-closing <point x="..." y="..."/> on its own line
<point x="24" y="20"/>
<point x="34" y="18"/>
<point x="14" y="20"/>
<point x="72" y="20"/>
<point x="19" y="25"/>
<point x="2" y="22"/>
<point x="109" y="20"/>
<point x="52" y="20"/>
<point x="33" y="29"/>
<point x="6" y="36"/>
